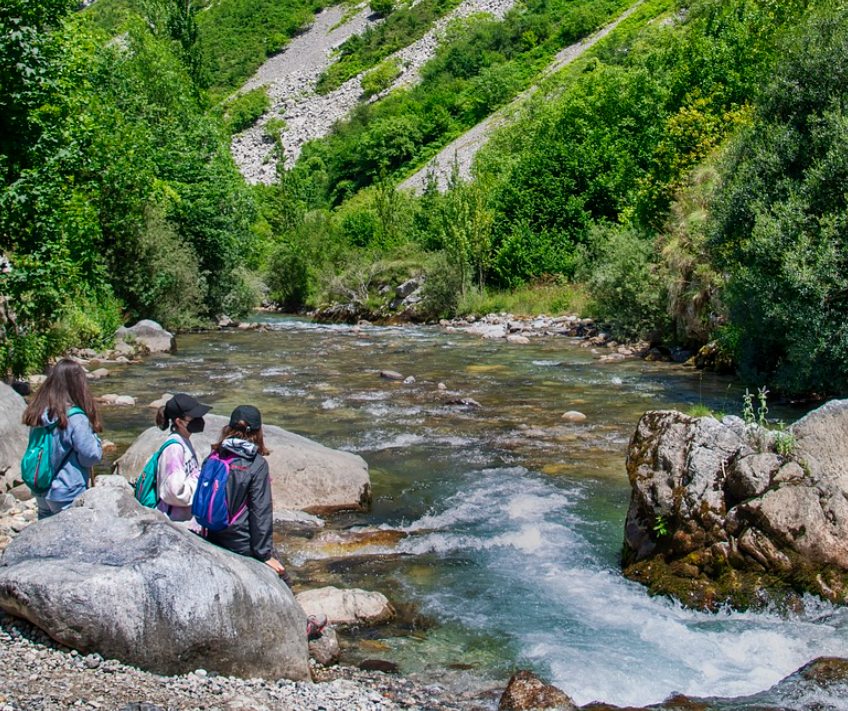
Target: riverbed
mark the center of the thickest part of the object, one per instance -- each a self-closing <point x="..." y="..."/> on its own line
<point x="496" y="529"/>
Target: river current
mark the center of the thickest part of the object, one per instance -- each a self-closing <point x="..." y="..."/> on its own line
<point x="496" y="530"/>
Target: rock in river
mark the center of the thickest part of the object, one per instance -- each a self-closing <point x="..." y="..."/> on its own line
<point x="306" y="476"/>
<point x="347" y="607"/>
<point x="725" y="513"/>
<point x="112" y="577"/>
<point x="146" y="336"/>
<point x="526" y="692"/>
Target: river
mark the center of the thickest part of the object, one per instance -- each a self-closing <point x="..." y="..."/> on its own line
<point x="502" y="524"/>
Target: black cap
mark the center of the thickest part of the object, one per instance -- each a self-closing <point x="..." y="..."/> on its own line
<point x="183" y="405"/>
<point x="247" y="414"/>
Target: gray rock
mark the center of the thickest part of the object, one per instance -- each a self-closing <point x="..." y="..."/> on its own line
<point x="526" y="692"/>
<point x="306" y="475"/>
<point x="347" y="607"/>
<point x="146" y="336"/>
<point x="391" y="375"/>
<point x="409" y="286"/>
<point x="285" y="518"/>
<point x="698" y="487"/>
<point x="13" y="435"/>
<point x="326" y="649"/>
<point x="142" y="590"/>
<point x="112" y="480"/>
<point x="750" y="476"/>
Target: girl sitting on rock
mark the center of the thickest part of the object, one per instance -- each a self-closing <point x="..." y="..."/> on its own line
<point x="178" y="468"/>
<point x="249" y="499"/>
<point x="64" y="404"/>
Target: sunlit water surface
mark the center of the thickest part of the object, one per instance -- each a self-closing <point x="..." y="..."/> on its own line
<point x="514" y="517"/>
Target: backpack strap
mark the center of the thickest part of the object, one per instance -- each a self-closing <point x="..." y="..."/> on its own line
<point x="74" y="410"/>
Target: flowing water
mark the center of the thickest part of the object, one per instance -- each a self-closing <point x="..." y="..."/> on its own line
<point x="496" y="530"/>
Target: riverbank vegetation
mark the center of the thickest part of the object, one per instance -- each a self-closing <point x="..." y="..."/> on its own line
<point x="680" y="180"/>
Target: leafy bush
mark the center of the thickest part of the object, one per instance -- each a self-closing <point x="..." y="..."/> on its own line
<point x="442" y="287"/>
<point x="380" y="78"/>
<point x="623" y="284"/>
<point x="288" y="277"/>
<point x="246" y="109"/>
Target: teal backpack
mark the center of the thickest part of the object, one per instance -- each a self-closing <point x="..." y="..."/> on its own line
<point x="145" y="485"/>
<point x="36" y="471"/>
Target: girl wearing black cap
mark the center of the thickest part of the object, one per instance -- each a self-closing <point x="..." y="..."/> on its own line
<point x="249" y="503"/>
<point x="178" y="469"/>
<point x="248" y="489"/>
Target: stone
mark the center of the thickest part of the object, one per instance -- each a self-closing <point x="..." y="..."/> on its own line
<point x="526" y="692"/>
<point x="147" y="337"/>
<point x="465" y="402"/>
<point x="161" y="402"/>
<point x="518" y="340"/>
<point x="409" y="286"/>
<point x="108" y="446"/>
<point x="326" y="649"/>
<point x="142" y="590"/>
<point x="112" y="399"/>
<point x="98" y="374"/>
<point x="391" y="375"/>
<point x="13" y="435"/>
<point x="347" y="607"/>
<point x="410" y="380"/>
<point x="285" y="518"/>
<point x="306" y="476"/>
<point x="715" y="497"/>
<point x="112" y="480"/>
<point x="750" y="476"/>
<point x="573" y="416"/>
<point x="380" y="665"/>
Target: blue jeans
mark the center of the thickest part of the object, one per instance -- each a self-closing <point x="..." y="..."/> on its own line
<point x="46" y="508"/>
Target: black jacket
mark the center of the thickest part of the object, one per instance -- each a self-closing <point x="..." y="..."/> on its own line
<point x="248" y="483"/>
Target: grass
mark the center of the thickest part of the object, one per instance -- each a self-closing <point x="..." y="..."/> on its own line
<point x="550" y="299"/>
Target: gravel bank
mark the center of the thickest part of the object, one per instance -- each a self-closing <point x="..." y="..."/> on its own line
<point x="36" y="674"/>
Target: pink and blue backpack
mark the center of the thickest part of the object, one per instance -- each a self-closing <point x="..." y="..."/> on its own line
<point x="210" y="507"/>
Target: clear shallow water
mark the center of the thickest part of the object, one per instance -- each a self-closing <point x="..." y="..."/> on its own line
<point x="509" y="520"/>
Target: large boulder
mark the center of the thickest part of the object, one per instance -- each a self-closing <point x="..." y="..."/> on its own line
<point x="13" y="437"/>
<point x="720" y="512"/>
<point x="145" y="337"/>
<point x="112" y="577"/>
<point x="306" y="476"/>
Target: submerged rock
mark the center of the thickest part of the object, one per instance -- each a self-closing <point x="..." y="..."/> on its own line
<point x="306" y="476"/>
<point x="347" y="607"/>
<point x="137" y="588"/>
<point x="526" y="692"/>
<point x="716" y="516"/>
<point x="13" y="437"/>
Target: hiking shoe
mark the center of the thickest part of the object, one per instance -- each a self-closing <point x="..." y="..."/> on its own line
<point x="315" y="625"/>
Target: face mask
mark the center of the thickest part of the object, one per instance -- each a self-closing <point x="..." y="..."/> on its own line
<point x="196" y="425"/>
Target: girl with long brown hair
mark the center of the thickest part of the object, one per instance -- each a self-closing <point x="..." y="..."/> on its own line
<point x="65" y="403"/>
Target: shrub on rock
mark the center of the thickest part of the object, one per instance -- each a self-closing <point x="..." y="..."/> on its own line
<point x="112" y="577"/>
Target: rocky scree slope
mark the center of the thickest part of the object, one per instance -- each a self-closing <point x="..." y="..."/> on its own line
<point x="292" y="75"/>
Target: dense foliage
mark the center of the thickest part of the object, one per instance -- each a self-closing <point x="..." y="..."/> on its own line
<point x="118" y="196"/>
<point x="781" y="228"/>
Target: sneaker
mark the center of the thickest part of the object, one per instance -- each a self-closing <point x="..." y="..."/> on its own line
<point x="315" y="624"/>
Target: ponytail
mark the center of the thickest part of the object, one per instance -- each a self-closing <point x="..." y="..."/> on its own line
<point x="162" y="420"/>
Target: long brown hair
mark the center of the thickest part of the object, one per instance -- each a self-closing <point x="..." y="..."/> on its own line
<point x="240" y="431"/>
<point x="65" y="387"/>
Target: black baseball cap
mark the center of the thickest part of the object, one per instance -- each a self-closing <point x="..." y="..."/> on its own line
<point x="247" y="414"/>
<point x="183" y="405"/>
